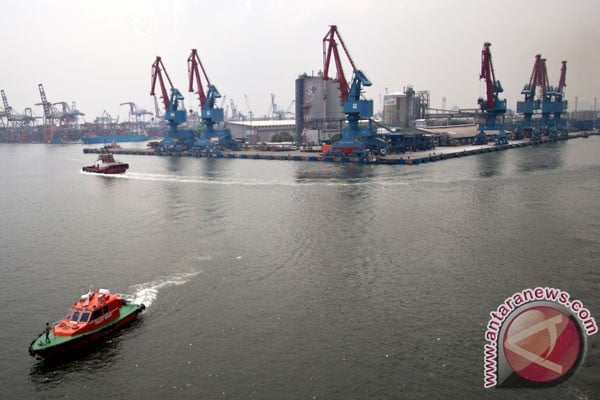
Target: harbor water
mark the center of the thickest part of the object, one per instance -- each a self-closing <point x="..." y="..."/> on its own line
<point x="292" y="280"/>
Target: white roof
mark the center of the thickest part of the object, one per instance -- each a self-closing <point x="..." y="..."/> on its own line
<point x="264" y="123"/>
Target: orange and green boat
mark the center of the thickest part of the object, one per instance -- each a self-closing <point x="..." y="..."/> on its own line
<point x="91" y="318"/>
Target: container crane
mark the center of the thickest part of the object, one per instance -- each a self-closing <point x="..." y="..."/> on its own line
<point x="69" y="116"/>
<point x="20" y="120"/>
<point x="492" y="106"/>
<point x="175" y="113"/>
<point x="7" y="108"/>
<point x="136" y="113"/>
<point x="236" y="114"/>
<point x="48" y="123"/>
<point x="209" y="112"/>
<point x="46" y="105"/>
<point x="355" y="140"/>
<point x="250" y="113"/>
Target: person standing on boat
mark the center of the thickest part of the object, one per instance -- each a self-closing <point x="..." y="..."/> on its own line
<point x="47" y="330"/>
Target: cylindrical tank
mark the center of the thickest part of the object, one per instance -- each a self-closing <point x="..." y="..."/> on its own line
<point x="400" y="109"/>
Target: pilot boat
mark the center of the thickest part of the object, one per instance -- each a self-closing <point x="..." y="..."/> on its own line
<point x="91" y="318"/>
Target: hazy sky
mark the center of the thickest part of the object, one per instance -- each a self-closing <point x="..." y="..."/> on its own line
<point x="99" y="53"/>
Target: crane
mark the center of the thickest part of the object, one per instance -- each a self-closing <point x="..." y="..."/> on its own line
<point x="530" y="104"/>
<point x="7" y="108"/>
<point x="49" y="117"/>
<point x="492" y="106"/>
<point x="209" y="112"/>
<point x="250" y="113"/>
<point x="16" y="119"/>
<point x="276" y="112"/>
<point x="175" y="113"/>
<point x="136" y="113"/>
<point x="46" y="105"/>
<point x="556" y="105"/>
<point x="68" y="115"/>
<point x="355" y="141"/>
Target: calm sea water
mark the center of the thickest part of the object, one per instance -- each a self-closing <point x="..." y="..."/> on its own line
<point x="292" y="280"/>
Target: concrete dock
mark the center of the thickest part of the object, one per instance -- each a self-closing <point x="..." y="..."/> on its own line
<point x="408" y="158"/>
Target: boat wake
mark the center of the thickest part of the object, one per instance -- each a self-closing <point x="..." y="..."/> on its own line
<point x="146" y="293"/>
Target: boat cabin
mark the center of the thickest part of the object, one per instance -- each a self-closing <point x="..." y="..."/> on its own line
<point x="91" y="311"/>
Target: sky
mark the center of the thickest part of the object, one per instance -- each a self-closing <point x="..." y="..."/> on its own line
<point x="98" y="54"/>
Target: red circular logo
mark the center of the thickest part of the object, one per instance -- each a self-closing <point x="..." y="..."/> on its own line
<point x="542" y="344"/>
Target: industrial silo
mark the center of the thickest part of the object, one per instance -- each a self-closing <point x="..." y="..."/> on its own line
<point x="318" y="104"/>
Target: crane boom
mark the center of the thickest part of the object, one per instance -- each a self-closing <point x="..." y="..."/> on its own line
<point x="7" y="107"/>
<point x="562" y="82"/>
<point x="329" y="49"/>
<point x="487" y="73"/>
<point x="194" y="76"/>
<point x="157" y="74"/>
<point x="46" y="105"/>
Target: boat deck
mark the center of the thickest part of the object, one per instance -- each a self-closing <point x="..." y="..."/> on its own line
<point x="40" y="342"/>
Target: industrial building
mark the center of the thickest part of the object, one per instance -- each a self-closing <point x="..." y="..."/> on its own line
<point x="319" y="113"/>
<point x="262" y="130"/>
<point x="402" y="109"/>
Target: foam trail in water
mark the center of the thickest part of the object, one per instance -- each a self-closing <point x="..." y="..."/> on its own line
<point x="146" y="293"/>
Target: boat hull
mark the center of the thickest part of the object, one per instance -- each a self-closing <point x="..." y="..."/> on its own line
<point x="62" y="346"/>
<point x="116" y="138"/>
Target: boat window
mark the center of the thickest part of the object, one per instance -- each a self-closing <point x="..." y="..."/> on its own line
<point x="85" y="316"/>
<point x="105" y="309"/>
<point x="75" y="316"/>
<point x="97" y="312"/>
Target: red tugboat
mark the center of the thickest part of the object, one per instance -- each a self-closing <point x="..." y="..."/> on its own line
<point x="91" y="318"/>
<point x="106" y="164"/>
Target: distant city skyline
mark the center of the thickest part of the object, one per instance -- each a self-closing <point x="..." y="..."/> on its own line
<point x="98" y="53"/>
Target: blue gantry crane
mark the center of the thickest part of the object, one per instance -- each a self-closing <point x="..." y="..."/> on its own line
<point x="355" y="140"/>
<point x="175" y="113"/>
<point x="210" y="138"/>
<point x="492" y="106"/>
